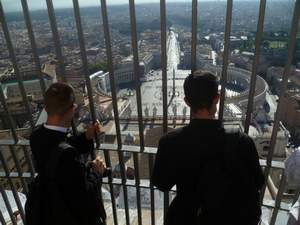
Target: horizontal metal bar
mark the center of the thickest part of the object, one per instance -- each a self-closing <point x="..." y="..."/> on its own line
<point x="271" y="205"/>
<point x="275" y="165"/>
<point x="14" y="175"/>
<point x="136" y="149"/>
<point x="128" y="148"/>
<point x="225" y="58"/>
<point x="12" y="142"/>
<point x="106" y="180"/>
<point x="259" y="33"/>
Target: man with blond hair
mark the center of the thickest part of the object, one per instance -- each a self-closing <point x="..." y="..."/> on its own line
<point x="66" y="191"/>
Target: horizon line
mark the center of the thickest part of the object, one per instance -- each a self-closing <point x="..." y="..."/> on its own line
<point x="126" y="4"/>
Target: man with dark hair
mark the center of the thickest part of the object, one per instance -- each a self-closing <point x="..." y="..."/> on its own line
<point x="65" y="191"/>
<point x="216" y="172"/>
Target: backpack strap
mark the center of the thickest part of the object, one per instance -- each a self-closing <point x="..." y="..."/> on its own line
<point x="51" y="166"/>
<point x="232" y="138"/>
<point x="54" y="158"/>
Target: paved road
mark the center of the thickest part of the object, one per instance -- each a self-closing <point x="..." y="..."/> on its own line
<point x="173" y="51"/>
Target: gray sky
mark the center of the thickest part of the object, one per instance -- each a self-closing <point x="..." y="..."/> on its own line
<point x="15" y="5"/>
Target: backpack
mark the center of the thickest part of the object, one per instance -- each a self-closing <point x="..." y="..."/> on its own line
<point x="44" y="205"/>
<point x="226" y="191"/>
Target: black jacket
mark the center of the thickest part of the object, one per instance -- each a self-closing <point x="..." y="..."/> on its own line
<point x="181" y="154"/>
<point x="79" y="186"/>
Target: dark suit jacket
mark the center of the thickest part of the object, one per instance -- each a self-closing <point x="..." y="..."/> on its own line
<point x="79" y="186"/>
<point x="181" y="154"/>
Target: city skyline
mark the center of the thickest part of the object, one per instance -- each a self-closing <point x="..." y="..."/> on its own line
<point x="15" y="5"/>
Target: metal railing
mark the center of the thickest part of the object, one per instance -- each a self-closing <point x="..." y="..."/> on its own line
<point x="119" y="148"/>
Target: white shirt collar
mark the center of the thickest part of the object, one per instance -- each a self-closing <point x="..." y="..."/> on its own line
<point x="56" y="128"/>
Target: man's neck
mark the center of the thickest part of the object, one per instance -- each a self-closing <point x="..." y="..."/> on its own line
<point x="202" y="114"/>
<point x="53" y="121"/>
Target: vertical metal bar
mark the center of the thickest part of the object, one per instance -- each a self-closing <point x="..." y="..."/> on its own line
<point x="286" y="74"/>
<point x="57" y="46"/>
<point x="124" y="185"/>
<point x="85" y="66"/>
<point x="111" y="187"/>
<point x="194" y="35"/>
<point x="15" y="64"/>
<point x="136" y="72"/>
<point x="56" y="39"/>
<point x="33" y="44"/>
<point x="163" y="28"/>
<point x="29" y="161"/>
<point x="278" y="199"/>
<point x="8" y="206"/>
<point x="164" y="63"/>
<point x="111" y="71"/>
<point x="18" y="167"/>
<point x="14" y="191"/>
<point x="225" y="58"/>
<point x="2" y="218"/>
<point x="6" y="110"/>
<point x="297" y="194"/>
<point x="152" y="201"/>
<point x="115" y="103"/>
<point x="259" y="32"/>
<point x="266" y="171"/>
<point x="137" y="186"/>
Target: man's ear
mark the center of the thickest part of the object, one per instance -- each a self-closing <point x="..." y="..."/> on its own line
<point x="216" y="99"/>
<point x="187" y="102"/>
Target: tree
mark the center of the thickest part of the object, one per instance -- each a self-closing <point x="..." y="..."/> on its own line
<point x="98" y="66"/>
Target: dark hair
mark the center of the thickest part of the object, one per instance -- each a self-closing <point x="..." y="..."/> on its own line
<point x="200" y="89"/>
<point x="59" y="98"/>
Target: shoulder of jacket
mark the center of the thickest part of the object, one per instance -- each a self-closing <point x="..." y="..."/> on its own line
<point x="37" y="130"/>
<point x="65" y="145"/>
<point x="67" y="150"/>
<point x="174" y="133"/>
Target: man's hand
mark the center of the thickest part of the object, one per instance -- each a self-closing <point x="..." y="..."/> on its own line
<point x="98" y="165"/>
<point x="92" y="130"/>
